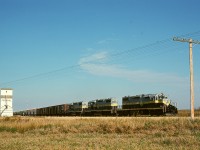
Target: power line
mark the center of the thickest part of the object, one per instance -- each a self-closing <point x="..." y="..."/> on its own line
<point x="138" y="51"/>
<point x="39" y="75"/>
<point x="78" y="65"/>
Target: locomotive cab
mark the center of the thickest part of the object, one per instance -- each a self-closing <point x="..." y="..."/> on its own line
<point x="161" y="98"/>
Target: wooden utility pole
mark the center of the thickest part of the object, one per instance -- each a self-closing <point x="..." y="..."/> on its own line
<point x="190" y="41"/>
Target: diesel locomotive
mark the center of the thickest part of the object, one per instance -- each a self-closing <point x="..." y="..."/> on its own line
<point x="148" y="104"/>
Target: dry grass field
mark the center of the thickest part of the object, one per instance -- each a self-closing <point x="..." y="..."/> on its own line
<point x="99" y="133"/>
<point x="186" y="113"/>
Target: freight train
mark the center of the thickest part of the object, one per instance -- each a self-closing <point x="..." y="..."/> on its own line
<point x="144" y="104"/>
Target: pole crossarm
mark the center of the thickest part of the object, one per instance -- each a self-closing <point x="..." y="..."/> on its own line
<point x="186" y="40"/>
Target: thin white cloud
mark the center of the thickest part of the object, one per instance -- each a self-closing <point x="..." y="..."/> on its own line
<point x="90" y="64"/>
<point x="93" y="58"/>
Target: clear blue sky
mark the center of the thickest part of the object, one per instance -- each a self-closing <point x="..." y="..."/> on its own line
<point x="54" y="52"/>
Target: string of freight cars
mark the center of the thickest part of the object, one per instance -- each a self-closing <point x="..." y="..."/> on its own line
<point x="144" y="104"/>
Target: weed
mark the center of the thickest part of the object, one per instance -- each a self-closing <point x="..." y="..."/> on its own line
<point x="8" y="129"/>
<point x="167" y="142"/>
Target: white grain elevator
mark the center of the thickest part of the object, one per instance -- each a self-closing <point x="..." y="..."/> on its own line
<point x="6" y="95"/>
